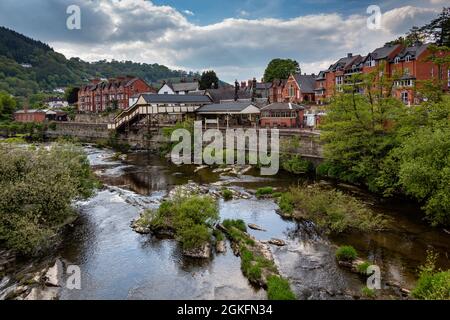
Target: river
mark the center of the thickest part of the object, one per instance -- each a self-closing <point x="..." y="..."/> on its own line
<point x="117" y="263"/>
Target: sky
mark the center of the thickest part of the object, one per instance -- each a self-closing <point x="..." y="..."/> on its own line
<point x="236" y="38"/>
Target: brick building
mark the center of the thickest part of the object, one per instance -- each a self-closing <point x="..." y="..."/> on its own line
<point x="282" y="115"/>
<point x="406" y="66"/>
<point x="299" y="88"/>
<point x="98" y="95"/>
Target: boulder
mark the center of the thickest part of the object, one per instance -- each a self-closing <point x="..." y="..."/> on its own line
<point x="277" y="242"/>
<point x="202" y="252"/>
<point x="221" y="247"/>
<point x="46" y="293"/>
<point x="53" y="277"/>
<point x="255" y="227"/>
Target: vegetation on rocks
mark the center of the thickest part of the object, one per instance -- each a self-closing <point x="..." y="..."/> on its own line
<point x="346" y="253"/>
<point x="433" y="284"/>
<point x="256" y="261"/>
<point x="37" y="187"/>
<point x="227" y="194"/>
<point x="265" y="191"/>
<point x="331" y="210"/>
<point x="191" y="219"/>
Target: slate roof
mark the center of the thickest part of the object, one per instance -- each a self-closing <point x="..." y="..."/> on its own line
<point x="225" y="107"/>
<point x="281" y="106"/>
<point x="306" y="82"/>
<point x="227" y="93"/>
<point x="176" y="98"/>
<point x="383" y="52"/>
<point x="414" y="51"/>
<point x="185" y="86"/>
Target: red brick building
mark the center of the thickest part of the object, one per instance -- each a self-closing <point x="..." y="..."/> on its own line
<point x="276" y="91"/>
<point x="31" y="115"/>
<point x="282" y="115"/>
<point x="299" y="88"/>
<point x="98" y="95"/>
<point x="407" y="66"/>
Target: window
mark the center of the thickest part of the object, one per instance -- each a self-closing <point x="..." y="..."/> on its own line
<point x="408" y="58"/>
<point x="405" y="97"/>
<point x="406" y="71"/>
<point x="370" y="62"/>
<point x="448" y="78"/>
<point x="397" y="60"/>
<point x="291" y="91"/>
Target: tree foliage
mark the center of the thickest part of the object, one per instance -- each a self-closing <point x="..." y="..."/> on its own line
<point x="280" y="69"/>
<point x="7" y="106"/>
<point x="37" y="187"/>
<point x="209" y="80"/>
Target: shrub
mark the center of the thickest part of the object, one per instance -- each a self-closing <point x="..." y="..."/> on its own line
<point x="432" y="284"/>
<point x="33" y="207"/>
<point x="362" y="267"/>
<point x="330" y="210"/>
<point x="279" y="289"/>
<point x="264" y="191"/>
<point x="369" y="293"/>
<point x="296" y="164"/>
<point x="218" y="235"/>
<point x="193" y="236"/>
<point x="346" y="253"/>
<point x="227" y="194"/>
<point x="238" y="224"/>
<point x="286" y="203"/>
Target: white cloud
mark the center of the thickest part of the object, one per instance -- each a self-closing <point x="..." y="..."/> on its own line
<point x="239" y="48"/>
<point x="188" y="12"/>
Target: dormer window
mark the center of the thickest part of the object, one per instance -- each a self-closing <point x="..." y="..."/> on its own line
<point x="408" y="58"/>
<point x="397" y="60"/>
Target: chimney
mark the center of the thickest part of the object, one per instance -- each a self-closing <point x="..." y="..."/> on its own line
<point x="349" y="55"/>
<point x="236" y="90"/>
<point x="96" y="81"/>
<point x="254" y="90"/>
<point x="249" y="83"/>
<point x="243" y="84"/>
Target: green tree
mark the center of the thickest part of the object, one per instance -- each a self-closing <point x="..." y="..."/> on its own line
<point x="438" y="30"/>
<point x="71" y="94"/>
<point x="280" y="69"/>
<point x="7" y="106"/>
<point x="209" y="80"/>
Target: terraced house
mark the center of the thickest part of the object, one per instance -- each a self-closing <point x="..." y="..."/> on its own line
<point x="99" y="95"/>
<point x="409" y="67"/>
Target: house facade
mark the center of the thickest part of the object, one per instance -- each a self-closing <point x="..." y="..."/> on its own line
<point x="282" y="115"/>
<point x="299" y="88"/>
<point x="99" y="95"/>
<point x="407" y="66"/>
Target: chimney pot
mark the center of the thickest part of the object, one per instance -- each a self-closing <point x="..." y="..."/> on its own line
<point x="349" y="55"/>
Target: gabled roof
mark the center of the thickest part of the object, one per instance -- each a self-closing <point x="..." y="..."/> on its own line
<point x="185" y="86"/>
<point x="282" y="106"/>
<point x="228" y="93"/>
<point x="305" y="82"/>
<point x="229" y="107"/>
<point x="383" y="52"/>
<point x="176" y="98"/>
<point x="414" y="52"/>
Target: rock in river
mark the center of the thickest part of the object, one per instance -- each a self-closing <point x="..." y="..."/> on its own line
<point x="277" y="242"/>
<point x="255" y="227"/>
<point x="203" y="252"/>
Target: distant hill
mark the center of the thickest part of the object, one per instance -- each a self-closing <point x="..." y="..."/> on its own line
<point x="28" y="66"/>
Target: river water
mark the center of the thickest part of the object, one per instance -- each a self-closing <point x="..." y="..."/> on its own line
<point x="117" y="263"/>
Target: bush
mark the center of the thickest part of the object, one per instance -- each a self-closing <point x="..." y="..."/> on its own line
<point x="369" y="293"/>
<point x="227" y="194"/>
<point x="238" y="224"/>
<point x="346" y="253"/>
<point x="190" y="218"/>
<point x="362" y="267"/>
<point x="264" y="191"/>
<point x="296" y="164"/>
<point x="432" y="284"/>
<point x="279" y="289"/>
<point x="37" y="187"/>
<point x="330" y="210"/>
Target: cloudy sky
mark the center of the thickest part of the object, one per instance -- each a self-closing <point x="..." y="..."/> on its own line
<point x="237" y="38"/>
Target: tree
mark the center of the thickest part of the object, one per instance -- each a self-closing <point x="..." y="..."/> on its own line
<point x="280" y="69"/>
<point x="71" y="95"/>
<point x="7" y="106"/>
<point x="438" y="30"/>
<point x="209" y="80"/>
